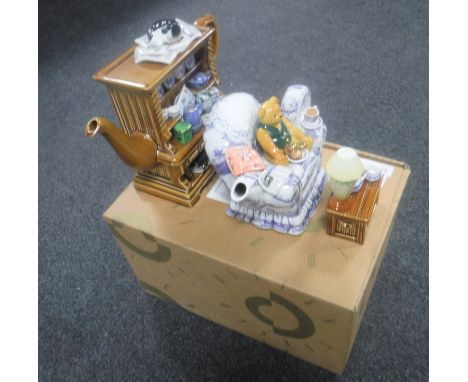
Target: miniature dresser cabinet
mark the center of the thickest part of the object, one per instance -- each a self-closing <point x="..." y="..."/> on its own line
<point x="133" y="89"/>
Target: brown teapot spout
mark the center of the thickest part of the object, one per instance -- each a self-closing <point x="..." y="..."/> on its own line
<point x="136" y="150"/>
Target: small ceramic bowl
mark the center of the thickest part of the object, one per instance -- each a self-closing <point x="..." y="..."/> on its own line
<point x="305" y="155"/>
<point x="199" y="80"/>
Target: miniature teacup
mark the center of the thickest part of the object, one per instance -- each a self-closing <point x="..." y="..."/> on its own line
<point x="311" y="116"/>
<point x="373" y="173"/>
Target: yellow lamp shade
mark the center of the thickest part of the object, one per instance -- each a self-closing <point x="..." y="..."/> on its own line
<point x="345" y="165"/>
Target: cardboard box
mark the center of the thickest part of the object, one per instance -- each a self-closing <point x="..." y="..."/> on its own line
<point x="304" y="294"/>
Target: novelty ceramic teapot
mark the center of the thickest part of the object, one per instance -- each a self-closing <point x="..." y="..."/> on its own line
<point x="282" y="195"/>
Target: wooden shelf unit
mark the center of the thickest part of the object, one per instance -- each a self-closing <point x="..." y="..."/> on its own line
<point x="133" y="89"/>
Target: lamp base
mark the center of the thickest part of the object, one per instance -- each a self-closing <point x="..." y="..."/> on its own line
<point x="339" y="205"/>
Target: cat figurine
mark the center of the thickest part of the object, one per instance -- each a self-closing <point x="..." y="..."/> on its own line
<point x="164" y="31"/>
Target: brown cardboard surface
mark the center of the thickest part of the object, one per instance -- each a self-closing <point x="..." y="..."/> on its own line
<point x="302" y="294"/>
<point x="314" y="263"/>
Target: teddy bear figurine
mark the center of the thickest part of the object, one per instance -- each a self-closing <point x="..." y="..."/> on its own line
<point x="277" y="135"/>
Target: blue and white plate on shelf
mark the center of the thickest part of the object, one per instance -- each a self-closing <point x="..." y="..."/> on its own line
<point x="189" y="62"/>
<point x="180" y="72"/>
<point x="161" y="91"/>
<point x="169" y="82"/>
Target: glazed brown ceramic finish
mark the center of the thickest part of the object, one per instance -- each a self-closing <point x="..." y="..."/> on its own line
<point x="137" y="150"/>
<point x="133" y="89"/>
<point x="208" y="21"/>
<point x="349" y="218"/>
<point x="339" y="205"/>
<point x="123" y="72"/>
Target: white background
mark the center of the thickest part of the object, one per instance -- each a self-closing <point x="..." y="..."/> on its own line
<point x="19" y="189"/>
<point x="448" y="179"/>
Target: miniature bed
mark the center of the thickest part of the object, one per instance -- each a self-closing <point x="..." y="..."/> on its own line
<point x="282" y="198"/>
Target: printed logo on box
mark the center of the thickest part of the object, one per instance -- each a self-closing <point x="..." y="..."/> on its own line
<point x="305" y="327"/>
<point x="161" y="254"/>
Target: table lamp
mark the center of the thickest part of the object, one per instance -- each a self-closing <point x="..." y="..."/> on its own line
<point x="344" y="169"/>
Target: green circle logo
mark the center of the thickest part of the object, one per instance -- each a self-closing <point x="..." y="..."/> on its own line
<point x="160" y="255"/>
<point x="305" y="327"/>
